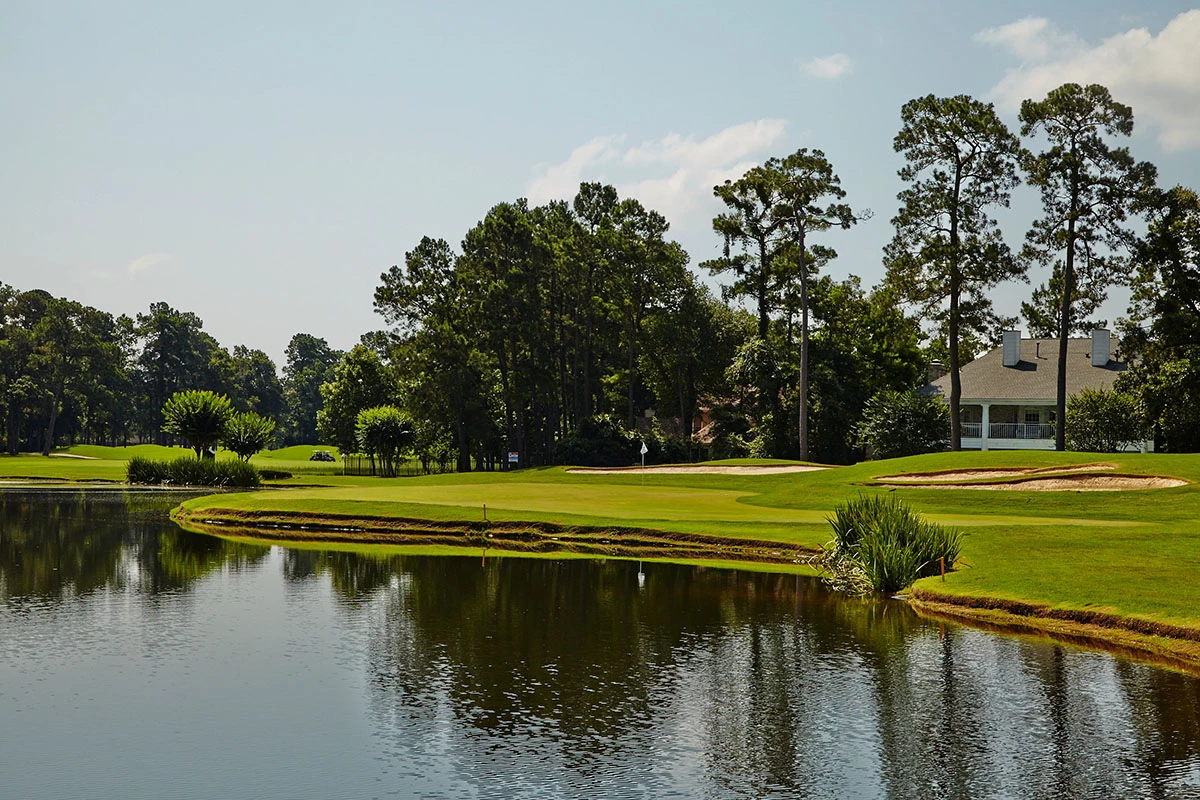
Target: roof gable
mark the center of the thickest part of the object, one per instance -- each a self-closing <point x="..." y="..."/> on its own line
<point x="1035" y="376"/>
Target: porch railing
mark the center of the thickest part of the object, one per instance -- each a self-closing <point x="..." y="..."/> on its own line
<point x="1016" y="430"/>
<point x="1007" y="430"/>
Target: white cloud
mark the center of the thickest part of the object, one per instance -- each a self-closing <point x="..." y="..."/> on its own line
<point x="148" y="262"/>
<point x="1031" y="39"/>
<point x="1158" y="75"/>
<point x="561" y="181"/>
<point x="673" y="175"/>
<point x="828" y="68"/>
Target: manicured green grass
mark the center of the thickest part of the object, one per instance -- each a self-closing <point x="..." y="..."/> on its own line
<point x="31" y="467"/>
<point x="1132" y="553"/>
<point x="295" y="459"/>
<point x="87" y="462"/>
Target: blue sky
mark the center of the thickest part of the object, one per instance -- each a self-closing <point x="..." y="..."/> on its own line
<point x="262" y="163"/>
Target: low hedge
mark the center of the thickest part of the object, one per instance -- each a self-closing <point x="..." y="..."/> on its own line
<point x="188" y="471"/>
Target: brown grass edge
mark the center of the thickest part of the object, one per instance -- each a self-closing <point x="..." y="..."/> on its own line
<point x="1160" y="643"/>
<point x="527" y="537"/>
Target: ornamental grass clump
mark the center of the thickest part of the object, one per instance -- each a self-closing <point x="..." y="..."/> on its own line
<point x="191" y="472"/>
<point x="880" y="544"/>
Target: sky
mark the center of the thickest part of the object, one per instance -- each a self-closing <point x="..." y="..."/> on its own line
<point x="261" y="164"/>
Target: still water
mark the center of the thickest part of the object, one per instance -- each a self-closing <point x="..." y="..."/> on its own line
<point x="141" y="661"/>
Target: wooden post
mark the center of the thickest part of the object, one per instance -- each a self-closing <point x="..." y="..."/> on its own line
<point x="942" y="561"/>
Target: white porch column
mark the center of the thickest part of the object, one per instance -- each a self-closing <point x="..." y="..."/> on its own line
<point x="983" y="433"/>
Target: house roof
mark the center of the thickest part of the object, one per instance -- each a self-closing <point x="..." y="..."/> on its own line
<point x="1035" y="377"/>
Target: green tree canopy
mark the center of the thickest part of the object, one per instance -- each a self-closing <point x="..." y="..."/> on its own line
<point x="444" y="370"/>
<point x="896" y="424"/>
<point x="1162" y="340"/>
<point x="1166" y="384"/>
<point x="773" y="209"/>
<point x="864" y="344"/>
<point x="198" y="415"/>
<point x="360" y="380"/>
<point x="384" y="432"/>
<point x="308" y="363"/>
<point x="1165" y="305"/>
<point x="1104" y="421"/>
<point x="248" y="433"/>
<point x="255" y="384"/>
<point x="809" y="192"/>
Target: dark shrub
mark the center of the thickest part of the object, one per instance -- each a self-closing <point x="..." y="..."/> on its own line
<point x="603" y="441"/>
<point x="599" y="441"/>
<point x="898" y="424"/>
<point x="1104" y="421"/>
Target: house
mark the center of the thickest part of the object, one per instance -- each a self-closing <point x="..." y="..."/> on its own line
<point x="1009" y="393"/>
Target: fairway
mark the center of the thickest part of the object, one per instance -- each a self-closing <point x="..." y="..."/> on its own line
<point x="598" y="503"/>
<point x="624" y="503"/>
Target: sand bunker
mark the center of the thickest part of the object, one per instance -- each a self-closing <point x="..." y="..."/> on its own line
<point x="73" y="455"/>
<point x="689" y="469"/>
<point x="1068" y="483"/>
<point x="987" y="474"/>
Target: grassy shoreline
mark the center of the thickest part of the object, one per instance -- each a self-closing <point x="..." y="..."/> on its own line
<point x="508" y="537"/>
<point x="1113" y="567"/>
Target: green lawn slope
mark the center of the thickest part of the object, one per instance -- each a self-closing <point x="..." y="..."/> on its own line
<point x="98" y="463"/>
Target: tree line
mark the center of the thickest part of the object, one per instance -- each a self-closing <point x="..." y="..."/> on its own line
<point x="70" y="373"/>
<point x="562" y="331"/>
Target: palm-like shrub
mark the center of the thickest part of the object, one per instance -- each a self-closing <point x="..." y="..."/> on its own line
<point x="200" y="416"/>
<point x="384" y="432"/>
<point x="248" y="433"/>
<point x="881" y="544"/>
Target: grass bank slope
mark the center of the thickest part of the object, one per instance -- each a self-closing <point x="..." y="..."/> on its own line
<point x="1122" y="560"/>
<point x="97" y="463"/>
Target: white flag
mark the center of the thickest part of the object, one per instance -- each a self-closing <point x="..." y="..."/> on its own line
<point x="645" y="449"/>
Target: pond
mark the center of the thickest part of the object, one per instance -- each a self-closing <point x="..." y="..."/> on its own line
<point x="138" y="660"/>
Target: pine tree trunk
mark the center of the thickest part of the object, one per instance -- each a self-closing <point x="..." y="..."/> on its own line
<point x="803" y="350"/>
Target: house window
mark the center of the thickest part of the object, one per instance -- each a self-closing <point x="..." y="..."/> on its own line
<point x="1033" y="418"/>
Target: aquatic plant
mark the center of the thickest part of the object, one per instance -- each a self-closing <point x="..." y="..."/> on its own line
<point x="881" y="544"/>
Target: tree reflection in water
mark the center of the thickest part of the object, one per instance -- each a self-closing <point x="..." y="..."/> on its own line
<point x="87" y="540"/>
<point x="775" y="686"/>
